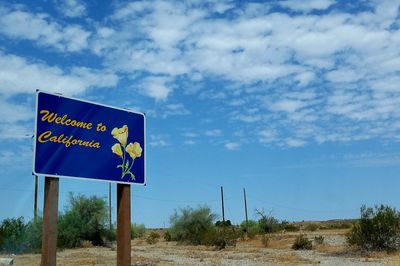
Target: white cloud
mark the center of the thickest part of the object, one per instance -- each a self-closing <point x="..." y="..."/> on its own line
<point x="175" y="109"/>
<point x="42" y="30"/>
<point x="19" y="156"/>
<point x="190" y="134"/>
<point x="158" y="141"/>
<point x="18" y="75"/>
<point x="156" y="87"/>
<point x="13" y="113"/>
<point x="268" y="135"/>
<point x="232" y="146"/>
<point x="71" y="8"/>
<point x="189" y="142"/>
<point x="248" y="118"/>
<point x="327" y="77"/>
<point x="295" y="142"/>
<point x="308" y="5"/>
<point x="287" y="105"/>
<point x="343" y="75"/>
<point x="16" y="131"/>
<point x="309" y="75"/>
<point x="213" y="133"/>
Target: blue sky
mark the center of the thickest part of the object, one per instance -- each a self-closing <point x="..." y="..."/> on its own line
<point x="297" y="101"/>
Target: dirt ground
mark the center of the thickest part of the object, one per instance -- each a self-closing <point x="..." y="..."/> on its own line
<point x="333" y="251"/>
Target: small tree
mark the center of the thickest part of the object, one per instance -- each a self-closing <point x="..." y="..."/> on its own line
<point x="267" y="223"/>
<point x="137" y="230"/>
<point x="302" y="242"/>
<point x="251" y="228"/>
<point x="18" y="237"/>
<point x="12" y="232"/>
<point x="153" y="238"/>
<point x="377" y="229"/>
<point x="191" y="225"/>
<point x="33" y="235"/>
<point x="84" y="219"/>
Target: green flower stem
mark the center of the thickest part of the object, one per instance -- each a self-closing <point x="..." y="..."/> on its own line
<point x="129" y="170"/>
<point x="123" y="163"/>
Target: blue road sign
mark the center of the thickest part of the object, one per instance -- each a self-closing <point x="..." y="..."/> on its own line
<point x="75" y="138"/>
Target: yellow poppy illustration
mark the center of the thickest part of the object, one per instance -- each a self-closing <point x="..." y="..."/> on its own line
<point x="120" y="149"/>
<point x="134" y="150"/>
<point x="116" y="148"/>
<point x="121" y="134"/>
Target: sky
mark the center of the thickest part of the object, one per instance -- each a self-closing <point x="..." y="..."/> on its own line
<point x="295" y="101"/>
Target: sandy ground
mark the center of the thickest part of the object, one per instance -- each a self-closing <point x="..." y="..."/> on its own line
<point x="333" y="251"/>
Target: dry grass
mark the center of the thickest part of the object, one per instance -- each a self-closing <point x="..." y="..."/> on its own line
<point x="250" y="252"/>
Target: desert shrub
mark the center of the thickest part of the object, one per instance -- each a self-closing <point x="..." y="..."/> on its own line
<point x="302" y="242"/>
<point x="268" y="223"/>
<point x="339" y="225"/>
<point x="222" y="236"/>
<point x="377" y="229"/>
<point x="251" y="228"/>
<point x="311" y="227"/>
<point x="84" y="219"/>
<point x="167" y="236"/>
<point x="110" y="235"/>
<point x="343" y="226"/>
<point x="33" y="235"/>
<point x="319" y="240"/>
<point x="191" y="225"/>
<point x="265" y="240"/>
<point x="18" y="237"/>
<point x="137" y="230"/>
<point x="223" y="223"/>
<point x="12" y="232"/>
<point x="291" y="227"/>
<point x="153" y="238"/>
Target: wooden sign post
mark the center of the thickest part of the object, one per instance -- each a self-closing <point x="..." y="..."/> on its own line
<point x="50" y="217"/>
<point x="123" y="224"/>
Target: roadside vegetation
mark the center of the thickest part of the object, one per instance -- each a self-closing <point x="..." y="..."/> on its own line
<point x="84" y="223"/>
<point x="377" y="229"/>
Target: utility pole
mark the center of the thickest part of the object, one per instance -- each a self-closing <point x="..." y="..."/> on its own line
<point x="109" y="205"/>
<point x="35" y="200"/>
<point x="222" y="201"/>
<point x="245" y="207"/>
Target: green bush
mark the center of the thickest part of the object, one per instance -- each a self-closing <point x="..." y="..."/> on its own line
<point x="222" y="236"/>
<point x="302" y="242"/>
<point x="312" y="227"/>
<point x="33" y="235"/>
<point x="339" y="225"/>
<point x="377" y="229"/>
<point x="12" y="235"/>
<point x="191" y="225"/>
<point x="137" y="230"/>
<point x="153" y="238"/>
<point x="167" y="236"/>
<point x="84" y="219"/>
<point x="223" y="223"/>
<point x="291" y="227"/>
<point x="251" y="228"/>
<point x="18" y="237"/>
<point x="110" y="235"/>
<point x="268" y="223"/>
